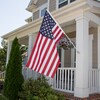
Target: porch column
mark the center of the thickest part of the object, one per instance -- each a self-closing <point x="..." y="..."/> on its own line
<point x="90" y="50"/>
<point x="99" y="54"/>
<point x="8" y="50"/>
<point x="31" y="73"/>
<point x="82" y="62"/>
<point x="62" y="57"/>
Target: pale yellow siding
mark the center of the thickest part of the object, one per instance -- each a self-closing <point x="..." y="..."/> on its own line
<point x="52" y="5"/>
<point x="36" y="15"/>
<point x="95" y="51"/>
<point x="67" y="60"/>
<point x="41" y="2"/>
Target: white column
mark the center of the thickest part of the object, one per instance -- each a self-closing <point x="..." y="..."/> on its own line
<point x="31" y="73"/>
<point x="62" y="57"/>
<point x="73" y="53"/>
<point x="90" y="51"/>
<point x="30" y="43"/>
<point x="99" y="54"/>
<point x="82" y="60"/>
<point x="8" y="50"/>
<point x="72" y="57"/>
<point x="98" y="47"/>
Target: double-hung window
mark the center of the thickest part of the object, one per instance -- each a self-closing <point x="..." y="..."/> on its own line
<point x="42" y="10"/>
<point x="62" y="3"/>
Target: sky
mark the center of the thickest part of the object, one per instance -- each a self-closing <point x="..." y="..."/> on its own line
<point x="12" y="15"/>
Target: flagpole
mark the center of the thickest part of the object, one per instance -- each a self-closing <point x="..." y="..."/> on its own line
<point x="62" y="30"/>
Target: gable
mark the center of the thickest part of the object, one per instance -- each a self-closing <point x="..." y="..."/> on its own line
<point x="32" y="2"/>
<point x="35" y="4"/>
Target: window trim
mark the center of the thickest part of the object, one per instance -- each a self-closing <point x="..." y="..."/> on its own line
<point x="57" y="3"/>
<point x="42" y="7"/>
<point x="62" y="2"/>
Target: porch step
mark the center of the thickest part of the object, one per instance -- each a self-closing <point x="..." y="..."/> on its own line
<point x="70" y="96"/>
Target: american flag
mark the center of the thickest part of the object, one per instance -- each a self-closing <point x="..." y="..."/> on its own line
<point x="44" y="57"/>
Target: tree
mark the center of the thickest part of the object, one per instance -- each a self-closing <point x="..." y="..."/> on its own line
<point x="3" y="53"/>
<point x="14" y="79"/>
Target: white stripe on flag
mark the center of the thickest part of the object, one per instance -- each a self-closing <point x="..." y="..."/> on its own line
<point x="47" y="56"/>
<point x="39" y="50"/>
<point x="43" y="52"/>
<point x="52" y="70"/>
<point x="50" y="62"/>
<point x="36" y="49"/>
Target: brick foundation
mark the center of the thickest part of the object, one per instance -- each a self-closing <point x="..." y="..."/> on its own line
<point x="76" y="98"/>
<point x="70" y="96"/>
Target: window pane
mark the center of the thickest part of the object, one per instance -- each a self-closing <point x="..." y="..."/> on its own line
<point x="60" y="1"/>
<point x="63" y="4"/>
<point x="43" y="11"/>
<point x="72" y="0"/>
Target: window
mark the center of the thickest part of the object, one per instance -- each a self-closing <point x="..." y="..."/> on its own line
<point x="71" y="1"/>
<point x="62" y="3"/>
<point x="43" y="11"/>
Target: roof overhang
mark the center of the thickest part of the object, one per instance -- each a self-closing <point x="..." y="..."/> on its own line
<point x="31" y="5"/>
<point x="62" y="15"/>
<point x="95" y="6"/>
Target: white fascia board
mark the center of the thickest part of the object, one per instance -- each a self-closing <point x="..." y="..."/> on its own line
<point x="93" y="17"/>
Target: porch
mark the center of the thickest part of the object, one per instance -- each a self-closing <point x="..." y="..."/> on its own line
<point x="79" y="72"/>
<point x="64" y="80"/>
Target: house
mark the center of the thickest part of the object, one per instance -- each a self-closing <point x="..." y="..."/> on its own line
<point x="80" y="19"/>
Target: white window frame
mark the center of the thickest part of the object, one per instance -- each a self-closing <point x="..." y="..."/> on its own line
<point x="57" y="3"/>
<point x="63" y="1"/>
<point x="42" y="7"/>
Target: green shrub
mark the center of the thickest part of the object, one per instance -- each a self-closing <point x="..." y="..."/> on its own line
<point x="14" y="79"/>
<point x="2" y="97"/>
<point x="39" y="90"/>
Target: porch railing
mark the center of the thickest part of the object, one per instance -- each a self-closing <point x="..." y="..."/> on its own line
<point x="94" y="80"/>
<point x="64" y="80"/>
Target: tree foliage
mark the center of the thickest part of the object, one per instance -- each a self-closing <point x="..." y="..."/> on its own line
<point x="3" y="53"/>
<point x="14" y="79"/>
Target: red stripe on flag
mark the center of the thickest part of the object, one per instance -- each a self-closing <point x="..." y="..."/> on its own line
<point x="34" y="60"/>
<point x="28" y="63"/>
<point x="44" y="56"/>
<point x="53" y="74"/>
<point x="49" y="58"/>
<point x="38" y="64"/>
<point x="55" y="30"/>
<point x="37" y="55"/>
<point x="52" y="64"/>
<point x="57" y="34"/>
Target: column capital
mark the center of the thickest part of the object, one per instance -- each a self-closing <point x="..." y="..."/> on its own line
<point x="99" y="28"/>
<point x="82" y="17"/>
<point x="30" y="34"/>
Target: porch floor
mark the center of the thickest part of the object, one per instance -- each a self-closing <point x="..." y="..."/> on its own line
<point x="70" y="96"/>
